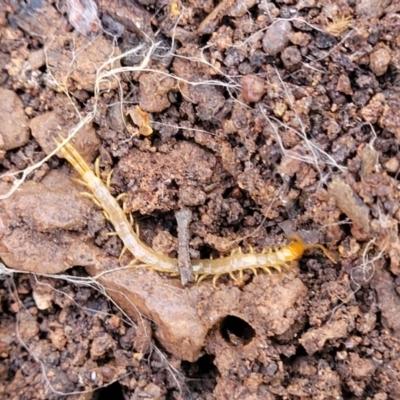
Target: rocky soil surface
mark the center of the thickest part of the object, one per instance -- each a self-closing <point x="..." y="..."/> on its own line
<point x="263" y="119"/>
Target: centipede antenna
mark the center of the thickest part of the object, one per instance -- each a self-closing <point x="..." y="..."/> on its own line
<point x="323" y="249"/>
<point x="108" y="182"/>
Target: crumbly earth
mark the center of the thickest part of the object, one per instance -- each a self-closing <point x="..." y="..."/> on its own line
<point x="263" y="119"/>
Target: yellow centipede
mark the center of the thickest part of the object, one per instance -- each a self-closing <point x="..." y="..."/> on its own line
<point x="201" y="268"/>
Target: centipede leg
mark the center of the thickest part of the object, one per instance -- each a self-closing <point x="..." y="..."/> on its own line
<point x="232" y="275"/>
<point x="266" y="269"/>
<point x="254" y="270"/>
<point x="121" y="196"/>
<point x="131" y="219"/>
<point x="122" y="253"/>
<point x="134" y="264"/>
<point x="91" y="197"/>
<point x="277" y="267"/>
<point x="97" y="167"/>
<point x="201" y="278"/>
<point x="80" y="181"/>
<point x="214" y="281"/>
<point x="108" y="182"/>
<point x="111" y="234"/>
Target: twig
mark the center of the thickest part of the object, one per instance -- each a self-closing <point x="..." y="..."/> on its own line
<point x="183" y="219"/>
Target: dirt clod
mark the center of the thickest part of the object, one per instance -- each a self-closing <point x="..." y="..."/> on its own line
<point x="291" y="58"/>
<point x="52" y="126"/>
<point x="13" y="121"/>
<point x="253" y="88"/>
<point x="379" y="61"/>
<point x="314" y="340"/>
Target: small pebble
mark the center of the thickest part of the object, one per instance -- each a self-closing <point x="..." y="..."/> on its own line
<point x="344" y="85"/>
<point x="379" y="61"/>
<point x="277" y="37"/>
<point x="392" y="165"/>
<point x="300" y="38"/>
<point x="253" y="88"/>
<point x="29" y="111"/>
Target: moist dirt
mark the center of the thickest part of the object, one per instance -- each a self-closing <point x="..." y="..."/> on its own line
<point x="246" y="121"/>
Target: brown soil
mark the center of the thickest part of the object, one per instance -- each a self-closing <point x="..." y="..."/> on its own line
<point x="261" y="118"/>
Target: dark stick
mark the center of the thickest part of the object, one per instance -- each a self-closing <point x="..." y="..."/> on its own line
<point x="183" y="219"/>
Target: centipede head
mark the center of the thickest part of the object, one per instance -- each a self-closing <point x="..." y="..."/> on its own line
<point x="298" y="247"/>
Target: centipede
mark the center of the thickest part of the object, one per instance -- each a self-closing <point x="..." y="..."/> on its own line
<point x="235" y="263"/>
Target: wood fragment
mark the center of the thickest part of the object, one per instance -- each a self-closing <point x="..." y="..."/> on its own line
<point x="183" y="219"/>
<point x="209" y="24"/>
<point x="350" y="203"/>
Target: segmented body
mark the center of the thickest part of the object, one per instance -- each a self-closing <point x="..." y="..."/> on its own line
<point x="202" y="268"/>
